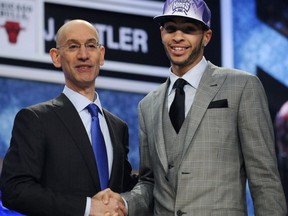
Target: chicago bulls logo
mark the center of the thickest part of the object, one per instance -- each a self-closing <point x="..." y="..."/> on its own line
<point x="12" y="28"/>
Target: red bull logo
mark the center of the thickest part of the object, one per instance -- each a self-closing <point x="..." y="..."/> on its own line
<point x="13" y="29"/>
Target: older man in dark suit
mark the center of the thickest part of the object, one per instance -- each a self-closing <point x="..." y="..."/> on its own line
<point x="50" y="167"/>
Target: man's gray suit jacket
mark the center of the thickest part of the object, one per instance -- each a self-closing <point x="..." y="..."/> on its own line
<point x="229" y="139"/>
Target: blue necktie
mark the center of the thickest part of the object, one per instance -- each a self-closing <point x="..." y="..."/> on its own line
<point x="98" y="145"/>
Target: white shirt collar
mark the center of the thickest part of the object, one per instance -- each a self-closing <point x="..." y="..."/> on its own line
<point x="193" y="76"/>
<point x="79" y="101"/>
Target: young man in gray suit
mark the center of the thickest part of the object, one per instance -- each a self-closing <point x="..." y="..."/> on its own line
<point x="200" y="166"/>
<point x="50" y="168"/>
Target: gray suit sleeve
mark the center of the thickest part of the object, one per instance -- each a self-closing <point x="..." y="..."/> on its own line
<point x="257" y="142"/>
<point x="140" y="199"/>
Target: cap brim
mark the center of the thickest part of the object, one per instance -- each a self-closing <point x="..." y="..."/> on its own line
<point x="164" y="18"/>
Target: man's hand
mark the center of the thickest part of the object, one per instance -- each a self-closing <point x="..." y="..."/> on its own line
<point x="107" y="203"/>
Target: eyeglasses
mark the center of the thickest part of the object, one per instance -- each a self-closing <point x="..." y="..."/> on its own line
<point x="75" y="47"/>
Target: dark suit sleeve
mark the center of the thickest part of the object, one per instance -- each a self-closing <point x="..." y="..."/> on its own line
<point x="121" y="179"/>
<point x="23" y="171"/>
<point x="130" y="180"/>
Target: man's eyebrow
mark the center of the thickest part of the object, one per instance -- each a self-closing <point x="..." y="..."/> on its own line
<point x="76" y="41"/>
<point x="91" y="40"/>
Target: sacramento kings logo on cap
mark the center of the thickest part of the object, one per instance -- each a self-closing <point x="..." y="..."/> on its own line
<point x="192" y="9"/>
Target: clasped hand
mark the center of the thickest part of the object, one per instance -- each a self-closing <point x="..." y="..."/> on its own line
<point x="107" y="203"/>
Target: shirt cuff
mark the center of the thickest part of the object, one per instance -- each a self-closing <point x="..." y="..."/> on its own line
<point x="88" y="206"/>
<point x="125" y="202"/>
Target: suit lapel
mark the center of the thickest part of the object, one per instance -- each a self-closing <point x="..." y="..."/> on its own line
<point x="157" y="119"/>
<point x="208" y="87"/>
<point x="72" y="121"/>
<point x="118" y="152"/>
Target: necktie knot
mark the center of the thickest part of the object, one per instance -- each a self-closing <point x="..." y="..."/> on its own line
<point x="93" y="110"/>
<point x="179" y="84"/>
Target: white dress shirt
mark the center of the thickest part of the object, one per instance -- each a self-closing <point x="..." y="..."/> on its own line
<point x="80" y="102"/>
<point x="193" y="77"/>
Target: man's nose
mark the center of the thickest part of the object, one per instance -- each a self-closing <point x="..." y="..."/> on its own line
<point x="83" y="52"/>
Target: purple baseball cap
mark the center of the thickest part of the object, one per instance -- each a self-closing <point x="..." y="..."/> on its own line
<point x="192" y="9"/>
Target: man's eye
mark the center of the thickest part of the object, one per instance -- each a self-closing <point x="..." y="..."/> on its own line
<point x="186" y="30"/>
<point x="170" y="29"/>
<point x="189" y="30"/>
<point x="91" y="46"/>
<point x="73" y="46"/>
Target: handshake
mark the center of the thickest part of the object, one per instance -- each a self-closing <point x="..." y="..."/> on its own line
<point x="108" y="203"/>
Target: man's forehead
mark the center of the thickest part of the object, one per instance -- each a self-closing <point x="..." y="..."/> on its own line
<point x="75" y="35"/>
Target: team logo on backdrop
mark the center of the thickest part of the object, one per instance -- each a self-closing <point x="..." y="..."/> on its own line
<point x="13" y="29"/>
<point x="13" y="14"/>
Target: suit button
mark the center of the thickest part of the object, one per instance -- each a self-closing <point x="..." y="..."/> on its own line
<point x="180" y="213"/>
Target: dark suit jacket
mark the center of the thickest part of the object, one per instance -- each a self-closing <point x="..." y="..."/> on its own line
<point x="50" y="168"/>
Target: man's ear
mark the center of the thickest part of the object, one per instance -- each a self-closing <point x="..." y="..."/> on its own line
<point x="207" y="37"/>
<point x="102" y="54"/>
<point x="55" y="56"/>
<point x="161" y="29"/>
